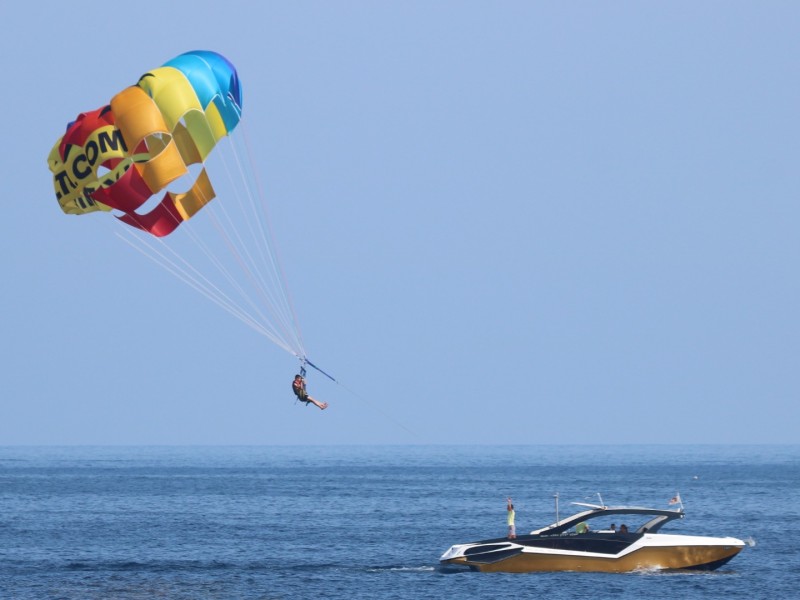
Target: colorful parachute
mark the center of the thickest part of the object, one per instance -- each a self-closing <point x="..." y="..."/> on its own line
<point x="133" y="157"/>
<point x="119" y="156"/>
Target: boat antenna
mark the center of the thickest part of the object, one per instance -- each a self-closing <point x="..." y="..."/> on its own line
<point x="599" y="497"/>
<point x="558" y="520"/>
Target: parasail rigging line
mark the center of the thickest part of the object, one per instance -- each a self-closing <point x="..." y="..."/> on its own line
<point x="257" y="282"/>
<point x="377" y="407"/>
<point x="304" y="361"/>
<point x="263" y="239"/>
<point x="207" y="289"/>
<point x="274" y="252"/>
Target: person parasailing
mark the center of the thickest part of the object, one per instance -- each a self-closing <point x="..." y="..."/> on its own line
<point x="299" y="389"/>
<point x="146" y="157"/>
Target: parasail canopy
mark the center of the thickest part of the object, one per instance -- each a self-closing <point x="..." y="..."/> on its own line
<point x="124" y="153"/>
<point x="149" y="156"/>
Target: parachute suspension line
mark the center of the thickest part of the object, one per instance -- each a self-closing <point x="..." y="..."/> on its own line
<point x="242" y="258"/>
<point x="264" y="321"/>
<point x="264" y="274"/>
<point x="207" y="289"/>
<point x="264" y="324"/>
<point x="237" y="255"/>
<point x="245" y="264"/>
<point x="270" y="247"/>
<point x="261" y="324"/>
<point x="226" y="274"/>
<point x="275" y="251"/>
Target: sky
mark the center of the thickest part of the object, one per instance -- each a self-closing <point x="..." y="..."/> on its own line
<point x="500" y="223"/>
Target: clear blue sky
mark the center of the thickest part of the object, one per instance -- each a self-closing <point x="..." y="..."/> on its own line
<point x="501" y="222"/>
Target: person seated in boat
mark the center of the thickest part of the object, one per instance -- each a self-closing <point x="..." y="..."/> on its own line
<point x="623" y="528"/>
<point x="613" y="528"/>
<point x="582" y="527"/>
<point x="299" y="389"/>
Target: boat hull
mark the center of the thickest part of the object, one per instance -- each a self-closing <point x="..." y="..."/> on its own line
<point x="653" y="554"/>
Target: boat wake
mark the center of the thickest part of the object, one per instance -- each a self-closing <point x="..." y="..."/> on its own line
<point x="420" y="569"/>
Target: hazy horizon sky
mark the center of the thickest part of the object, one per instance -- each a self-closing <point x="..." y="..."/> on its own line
<point x="500" y="222"/>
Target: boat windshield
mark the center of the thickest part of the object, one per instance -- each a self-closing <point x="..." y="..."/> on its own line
<point x="608" y="519"/>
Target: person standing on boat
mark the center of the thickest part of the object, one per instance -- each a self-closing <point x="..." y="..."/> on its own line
<point x="512" y="532"/>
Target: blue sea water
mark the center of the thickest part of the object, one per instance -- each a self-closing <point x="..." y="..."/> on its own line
<point x="371" y="522"/>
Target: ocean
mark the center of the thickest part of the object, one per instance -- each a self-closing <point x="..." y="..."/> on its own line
<point x="370" y="522"/>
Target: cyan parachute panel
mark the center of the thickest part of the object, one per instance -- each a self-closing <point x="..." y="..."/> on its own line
<point x="226" y="94"/>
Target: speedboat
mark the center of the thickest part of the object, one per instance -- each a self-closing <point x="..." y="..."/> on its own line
<point x="598" y="547"/>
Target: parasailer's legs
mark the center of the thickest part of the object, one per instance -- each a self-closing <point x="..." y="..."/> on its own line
<point x="317" y="403"/>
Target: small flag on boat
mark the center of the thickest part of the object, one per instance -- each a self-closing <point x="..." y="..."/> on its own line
<point x="676" y="499"/>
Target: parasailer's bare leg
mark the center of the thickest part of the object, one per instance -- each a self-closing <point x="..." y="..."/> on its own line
<point x="317" y="403"/>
